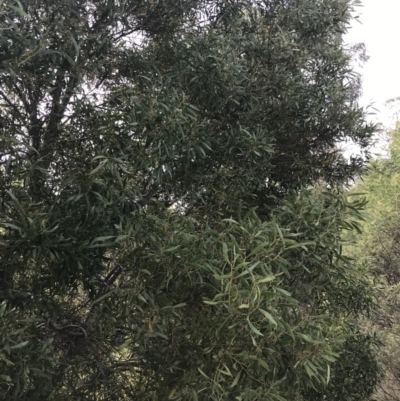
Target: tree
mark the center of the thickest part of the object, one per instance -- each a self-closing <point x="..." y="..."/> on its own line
<point x="377" y="251"/>
<point x="158" y="241"/>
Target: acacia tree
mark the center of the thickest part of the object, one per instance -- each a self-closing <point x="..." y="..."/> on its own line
<point x="157" y="238"/>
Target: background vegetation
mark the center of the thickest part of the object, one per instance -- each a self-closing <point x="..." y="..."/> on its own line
<point x="377" y="251"/>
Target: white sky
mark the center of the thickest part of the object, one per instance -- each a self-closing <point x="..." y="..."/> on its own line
<point x="380" y="31"/>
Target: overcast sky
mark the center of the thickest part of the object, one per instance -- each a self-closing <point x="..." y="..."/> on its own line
<point x="379" y="29"/>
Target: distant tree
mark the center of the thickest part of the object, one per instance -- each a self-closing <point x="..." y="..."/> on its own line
<point x="157" y="238"/>
<point x="378" y="251"/>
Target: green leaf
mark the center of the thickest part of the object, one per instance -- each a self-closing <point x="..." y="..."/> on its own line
<point x="328" y="374"/>
<point x="267" y="279"/>
<point x="287" y="328"/>
<point x="140" y="296"/>
<point x="20" y="345"/>
<point x="268" y="316"/>
<point x="305" y="337"/>
<point x="31" y="320"/>
<point x="253" y="328"/>
<point x="300" y="245"/>
<point x="225" y="251"/>
<point x="77" y="47"/>
<point x="102" y="297"/>
<point x="263" y="364"/>
<point x="48" y="341"/>
<point x="329" y="358"/>
<point x="236" y="380"/>
<point x="100" y="165"/>
<point x="11" y="226"/>
<point x="309" y="371"/>
<point x="72" y="63"/>
<point x="19" y="9"/>
<point x="284" y="292"/>
<point x="181" y="305"/>
<point x="258" y="248"/>
<point x="203" y="374"/>
<point x="4" y="358"/>
<point x="3" y="308"/>
<point x="248" y="270"/>
<point x="174" y="248"/>
<point x="101" y="239"/>
<point x="212" y="302"/>
<point x="231" y="221"/>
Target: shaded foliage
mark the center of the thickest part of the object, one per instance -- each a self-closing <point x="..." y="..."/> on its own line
<point x="157" y="240"/>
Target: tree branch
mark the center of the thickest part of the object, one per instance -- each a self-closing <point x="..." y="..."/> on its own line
<point x="65" y="329"/>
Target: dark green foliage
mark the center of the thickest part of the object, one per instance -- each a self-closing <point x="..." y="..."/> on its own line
<point x="355" y="375"/>
<point x="157" y="241"/>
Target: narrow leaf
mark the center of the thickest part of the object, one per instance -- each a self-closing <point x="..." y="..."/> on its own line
<point x="254" y="329"/>
<point x="20" y="345"/>
<point x="268" y="316"/>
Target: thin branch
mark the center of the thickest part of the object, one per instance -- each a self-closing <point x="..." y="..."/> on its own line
<point x="65" y="329"/>
<point x="21" y="95"/>
<point x="110" y="279"/>
<point x="12" y="105"/>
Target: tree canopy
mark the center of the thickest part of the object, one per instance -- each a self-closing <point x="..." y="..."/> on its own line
<point x="160" y="237"/>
